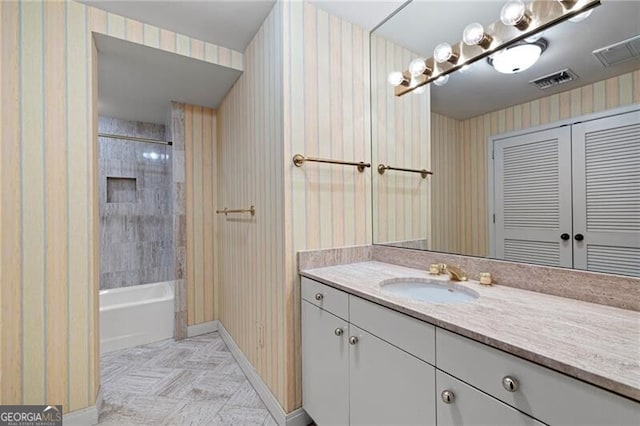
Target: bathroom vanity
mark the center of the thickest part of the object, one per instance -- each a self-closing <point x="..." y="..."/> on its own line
<point x="503" y="356"/>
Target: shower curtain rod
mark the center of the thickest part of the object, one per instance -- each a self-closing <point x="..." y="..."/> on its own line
<point x="133" y="138"/>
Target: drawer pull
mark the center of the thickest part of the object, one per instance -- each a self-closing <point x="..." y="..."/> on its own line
<point x="338" y="331"/>
<point x="353" y="340"/>
<point x="510" y="384"/>
<point x="319" y="296"/>
<point x="448" y="397"/>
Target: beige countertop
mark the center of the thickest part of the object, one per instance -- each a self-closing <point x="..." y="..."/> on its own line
<point x="595" y="343"/>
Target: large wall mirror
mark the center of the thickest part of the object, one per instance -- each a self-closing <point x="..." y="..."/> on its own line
<point x="545" y="173"/>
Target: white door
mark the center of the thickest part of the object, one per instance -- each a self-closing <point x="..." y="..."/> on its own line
<point x="387" y="385"/>
<point x="606" y="193"/>
<point x="325" y="366"/>
<point x="532" y="197"/>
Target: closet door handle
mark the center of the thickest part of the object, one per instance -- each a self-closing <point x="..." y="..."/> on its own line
<point x="565" y="236"/>
<point x="578" y="237"/>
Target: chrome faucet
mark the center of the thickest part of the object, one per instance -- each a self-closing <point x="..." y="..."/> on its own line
<point x="455" y="274"/>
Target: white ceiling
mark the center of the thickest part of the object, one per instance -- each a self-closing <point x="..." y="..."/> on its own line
<point x="364" y="13"/>
<point x="421" y="25"/>
<point x="137" y="83"/>
<point x="231" y="24"/>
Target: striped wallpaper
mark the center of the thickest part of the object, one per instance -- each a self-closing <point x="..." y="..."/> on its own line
<point x="305" y="90"/>
<point x="400" y="138"/>
<point x="326" y="114"/>
<point x="48" y="194"/>
<point x="454" y="141"/>
<point x="251" y="291"/>
<point x="201" y="177"/>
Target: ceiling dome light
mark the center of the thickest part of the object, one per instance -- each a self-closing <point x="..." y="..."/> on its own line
<point x="581" y="16"/>
<point x="418" y="67"/>
<point x="514" y="13"/>
<point x="396" y="78"/>
<point x="517" y="58"/>
<point x="442" y="80"/>
<point x="474" y="35"/>
<point x="444" y="53"/>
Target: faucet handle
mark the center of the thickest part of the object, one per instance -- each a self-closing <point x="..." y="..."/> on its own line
<point x="435" y="269"/>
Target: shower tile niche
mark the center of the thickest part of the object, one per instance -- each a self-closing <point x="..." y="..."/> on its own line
<point x="136" y="217"/>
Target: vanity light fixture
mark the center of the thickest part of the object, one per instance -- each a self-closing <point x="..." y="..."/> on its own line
<point x="419" y="67"/>
<point x="444" y="53"/>
<point x="517" y="58"/>
<point x="397" y="78"/>
<point x="474" y="34"/>
<point x="514" y="13"/>
<point x="508" y="51"/>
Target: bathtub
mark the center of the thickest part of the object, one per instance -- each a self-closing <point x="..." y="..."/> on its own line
<point x="132" y="316"/>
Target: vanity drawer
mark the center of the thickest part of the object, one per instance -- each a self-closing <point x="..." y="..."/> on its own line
<point x="325" y="297"/>
<point x="549" y="396"/>
<point x="409" y="334"/>
<point x="469" y="406"/>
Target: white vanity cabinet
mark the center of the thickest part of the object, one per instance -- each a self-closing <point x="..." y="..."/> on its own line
<point x="351" y="376"/>
<point x="365" y="364"/>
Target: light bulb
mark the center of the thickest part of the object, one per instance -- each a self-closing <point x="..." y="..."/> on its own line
<point x="514" y="13"/>
<point x="395" y="78"/>
<point x="443" y="53"/>
<point x="441" y="81"/>
<point x="474" y="35"/>
<point x="417" y="67"/>
<point x="582" y="16"/>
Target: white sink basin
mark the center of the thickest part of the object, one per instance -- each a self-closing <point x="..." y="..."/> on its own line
<point x="426" y="290"/>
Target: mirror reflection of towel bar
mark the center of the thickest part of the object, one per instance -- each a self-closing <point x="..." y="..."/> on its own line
<point x="300" y="159"/>
<point x="382" y="168"/>
<point x="226" y="211"/>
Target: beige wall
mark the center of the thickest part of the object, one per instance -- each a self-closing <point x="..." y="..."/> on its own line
<point x="326" y="114"/>
<point x="201" y="177"/>
<point x="48" y="194"/>
<point x="305" y="90"/>
<point x="400" y="138"/>
<point x="251" y="249"/>
<point x="468" y="151"/>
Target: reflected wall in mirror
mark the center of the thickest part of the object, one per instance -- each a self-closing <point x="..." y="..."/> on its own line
<point x="567" y="197"/>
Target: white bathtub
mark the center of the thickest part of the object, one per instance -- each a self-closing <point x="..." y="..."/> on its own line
<point x="132" y="316"/>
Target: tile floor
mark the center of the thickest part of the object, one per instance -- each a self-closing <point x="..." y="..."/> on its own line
<point x="194" y="381"/>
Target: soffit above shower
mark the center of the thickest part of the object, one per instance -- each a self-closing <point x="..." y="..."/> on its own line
<point x="231" y="24"/>
<point x="137" y="83"/>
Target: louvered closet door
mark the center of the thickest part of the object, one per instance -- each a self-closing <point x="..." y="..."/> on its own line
<point x="606" y="188"/>
<point x="533" y="197"/>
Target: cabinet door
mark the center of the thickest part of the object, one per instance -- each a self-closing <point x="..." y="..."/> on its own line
<point x="532" y="197"/>
<point x="606" y="194"/>
<point x="325" y="366"/>
<point x="468" y="406"/>
<point x="387" y="385"/>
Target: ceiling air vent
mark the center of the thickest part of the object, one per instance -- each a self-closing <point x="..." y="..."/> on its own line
<point x="619" y="52"/>
<point x="555" y="79"/>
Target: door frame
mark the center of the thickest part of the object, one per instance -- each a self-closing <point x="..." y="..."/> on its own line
<point x="491" y="140"/>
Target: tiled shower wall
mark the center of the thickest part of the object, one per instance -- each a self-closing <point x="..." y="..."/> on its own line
<point x="136" y="222"/>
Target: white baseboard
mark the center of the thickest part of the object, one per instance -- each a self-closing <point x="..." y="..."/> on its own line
<point x="85" y="416"/>
<point x="202" y="328"/>
<point x="296" y="418"/>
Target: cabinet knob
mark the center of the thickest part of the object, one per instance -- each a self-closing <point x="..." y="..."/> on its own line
<point x="565" y="236"/>
<point x="338" y="331"/>
<point x="319" y="296"/>
<point x="353" y="340"/>
<point x="510" y="383"/>
<point x="579" y="237"/>
<point x="448" y="397"/>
